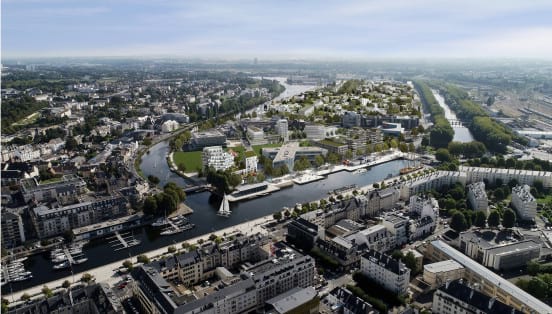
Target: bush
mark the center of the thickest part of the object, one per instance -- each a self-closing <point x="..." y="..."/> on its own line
<point x="143" y="259"/>
<point x="47" y="291"/>
<point x="128" y="265"/>
<point x="66" y="284"/>
<point x="172" y="249"/>
<point x="86" y="277"/>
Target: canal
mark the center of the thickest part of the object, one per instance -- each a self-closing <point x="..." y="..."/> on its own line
<point x="461" y="133"/>
<point x="204" y="217"/>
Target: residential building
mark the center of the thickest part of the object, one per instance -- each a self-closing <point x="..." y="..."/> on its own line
<point x="296" y="300"/>
<point x="282" y="129"/>
<point x="457" y="297"/>
<point x="524" y="203"/>
<point x="200" y="140"/>
<point x="346" y="302"/>
<point x="476" y="174"/>
<point x="398" y="226"/>
<point x="251" y="162"/>
<point x="55" y="221"/>
<point x="345" y="251"/>
<point x="388" y="272"/>
<point x="424" y="205"/>
<point x="489" y="282"/>
<point x="63" y="191"/>
<point x="437" y="274"/>
<point x="477" y="196"/>
<point x="421" y="227"/>
<point x="332" y="146"/>
<point x="376" y="238"/>
<point x="169" y="126"/>
<point x="13" y="233"/>
<point x="215" y="157"/>
<point x="432" y="181"/>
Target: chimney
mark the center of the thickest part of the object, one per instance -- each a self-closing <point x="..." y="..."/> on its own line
<point x="447" y="284"/>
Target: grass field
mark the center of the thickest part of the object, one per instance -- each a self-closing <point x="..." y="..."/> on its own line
<point x="257" y="148"/>
<point x="192" y="160"/>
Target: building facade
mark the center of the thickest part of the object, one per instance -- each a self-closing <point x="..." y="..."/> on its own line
<point x="524" y="202"/>
<point x="388" y="272"/>
<point x="477" y="196"/>
<point x="215" y="157"/>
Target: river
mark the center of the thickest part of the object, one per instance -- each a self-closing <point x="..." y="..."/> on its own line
<point x="204" y="217"/>
<point x="461" y="133"/>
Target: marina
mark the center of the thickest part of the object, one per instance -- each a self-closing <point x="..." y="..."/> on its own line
<point x="123" y="241"/>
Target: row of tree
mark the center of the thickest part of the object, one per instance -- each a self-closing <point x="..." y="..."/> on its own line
<point x="165" y="202"/>
<point x="463" y="220"/>
<point x="511" y="163"/>
<point x="441" y="133"/>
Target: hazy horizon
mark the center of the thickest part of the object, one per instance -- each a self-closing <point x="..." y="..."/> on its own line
<point x="278" y="30"/>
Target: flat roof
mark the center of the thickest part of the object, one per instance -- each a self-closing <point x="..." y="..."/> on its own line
<point x="444" y="266"/>
<point x="292" y="299"/>
<point x="493" y="278"/>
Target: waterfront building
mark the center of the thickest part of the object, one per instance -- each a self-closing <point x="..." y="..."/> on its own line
<point x="432" y="181"/>
<point x="489" y="282"/>
<point x="332" y="146"/>
<point x="288" y="153"/>
<point x="203" y="139"/>
<point x="13" y="233"/>
<point x="215" y="157"/>
<point x="303" y="233"/>
<point x="492" y="252"/>
<point x="386" y="271"/>
<point x="282" y="129"/>
<point x="54" y="221"/>
<point x="524" y="203"/>
<point x="477" y="196"/>
<point x="457" y="297"/>
<point x="437" y="274"/>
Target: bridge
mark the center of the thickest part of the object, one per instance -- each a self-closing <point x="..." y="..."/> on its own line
<point x="456" y="122"/>
<point x="197" y="188"/>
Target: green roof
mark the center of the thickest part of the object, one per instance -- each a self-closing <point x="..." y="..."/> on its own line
<point x="250" y="153"/>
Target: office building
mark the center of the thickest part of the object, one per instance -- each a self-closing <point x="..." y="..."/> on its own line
<point x="350" y="119"/>
<point x="489" y="282"/>
<point x="477" y="196"/>
<point x="437" y="274"/>
<point x="288" y="153"/>
<point x="524" y="203"/>
<point x="457" y="297"/>
<point x="315" y="132"/>
<point x="393" y="129"/>
<point x="255" y="135"/>
<point x="388" y="272"/>
<point x="200" y="140"/>
<point x="215" y="157"/>
<point x="282" y="129"/>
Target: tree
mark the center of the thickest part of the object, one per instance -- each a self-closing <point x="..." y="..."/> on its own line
<point x="277" y="216"/>
<point x="234" y="180"/>
<point x="143" y="259"/>
<point x="480" y="219"/>
<point x="47" y="291"/>
<point x="443" y="155"/>
<point x="318" y="160"/>
<point x="86" y="277"/>
<point x="171" y="249"/>
<point x="287" y="213"/>
<point x="509" y="218"/>
<point x="499" y="194"/>
<point x="533" y="267"/>
<point x="66" y="284"/>
<point x="71" y="143"/>
<point x="153" y="179"/>
<point x="494" y="219"/>
<point x="512" y="183"/>
<point x="127" y="264"/>
<point x="458" y="222"/>
<point x="24" y="297"/>
<point x="410" y="261"/>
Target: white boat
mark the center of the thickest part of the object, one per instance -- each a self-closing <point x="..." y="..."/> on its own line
<point x="360" y="171"/>
<point x="63" y="265"/>
<point x="60" y="259"/>
<point x="23" y="277"/>
<point x="160" y="222"/>
<point x="170" y="231"/>
<point x="80" y="260"/>
<point x="224" y="209"/>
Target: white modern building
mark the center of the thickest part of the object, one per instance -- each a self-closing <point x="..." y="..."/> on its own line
<point x="215" y="157"/>
<point x="255" y="135"/>
<point x="477" y="196"/>
<point x="251" y="163"/>
<point x="376" y="238"/>
<point x="282" y="129"/>
<point x="524" y="203"/>
<point x="388" y="272"/>
<point x="169" y="126"/>
<point x="476" y="174"/>
<point x="437" y="274"/>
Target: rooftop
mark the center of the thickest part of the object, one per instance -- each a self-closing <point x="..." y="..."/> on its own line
<point x="292" y="299"/>
<point x="386" y="262"/>
<point x="444" y="266"/>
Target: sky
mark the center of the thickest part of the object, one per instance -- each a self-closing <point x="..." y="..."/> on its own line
<point x="282" y="29"/>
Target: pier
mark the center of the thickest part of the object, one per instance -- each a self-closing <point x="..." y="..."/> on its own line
<point x="123" y="242"/>
<point x="70" y="258"/>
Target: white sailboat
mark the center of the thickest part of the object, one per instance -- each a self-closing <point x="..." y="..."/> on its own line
<point x="224" y="209"/>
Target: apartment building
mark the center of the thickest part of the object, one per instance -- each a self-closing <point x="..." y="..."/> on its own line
<point x="388" y="272"/>
<point x="215" y="157"/>
<point x="524" y="203"/>
<point x="477" y="196"/>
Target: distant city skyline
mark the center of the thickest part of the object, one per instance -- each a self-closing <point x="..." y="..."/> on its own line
<point x="351" y="30"/>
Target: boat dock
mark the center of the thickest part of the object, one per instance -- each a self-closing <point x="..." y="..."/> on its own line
<point x="121" y="242"/>
<point x="68" y="255"/>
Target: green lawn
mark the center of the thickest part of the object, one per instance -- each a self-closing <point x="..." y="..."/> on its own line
<point x="192" y="160"/>
<point x="257" y="148"/>
<point x="545" y="200"/>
